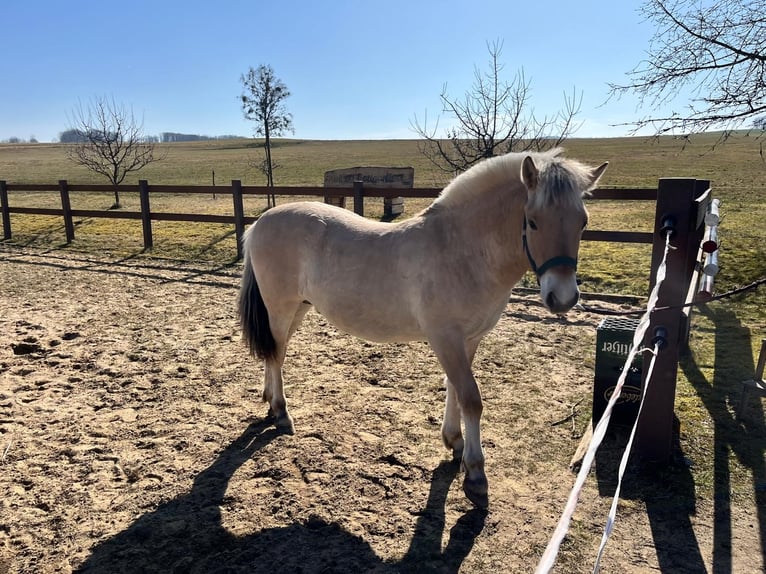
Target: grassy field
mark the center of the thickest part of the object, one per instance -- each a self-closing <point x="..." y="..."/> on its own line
<point x="736" y="170"/>
<point x="725" y="335"/>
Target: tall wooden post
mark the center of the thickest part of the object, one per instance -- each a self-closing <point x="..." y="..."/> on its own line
<point x="675" y="215"/>
<point x="359" y="198"/>
<point x="146" y="214"/>
<point x="5" y="210"/>
<point x="66" y="208"/>
<point x="239" y="214"/>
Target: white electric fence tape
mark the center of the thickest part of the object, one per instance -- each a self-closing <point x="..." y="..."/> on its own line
<point x="623" y="464"/>
<point x="551" y="551"/>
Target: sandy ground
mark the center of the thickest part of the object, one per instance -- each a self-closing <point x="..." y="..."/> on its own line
<point x="134" y="440"/>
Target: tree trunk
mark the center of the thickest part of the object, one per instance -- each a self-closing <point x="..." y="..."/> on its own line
<point x="271" y="200"/>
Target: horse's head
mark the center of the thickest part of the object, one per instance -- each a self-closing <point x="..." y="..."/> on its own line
<point x="554" y="218"/>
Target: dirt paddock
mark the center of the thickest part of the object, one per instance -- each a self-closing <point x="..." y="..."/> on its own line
<point x="134" y="440"/>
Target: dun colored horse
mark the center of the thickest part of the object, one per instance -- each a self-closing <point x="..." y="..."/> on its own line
<point x="443" y="276"/>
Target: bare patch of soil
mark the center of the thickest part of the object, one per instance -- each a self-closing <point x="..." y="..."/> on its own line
<point x="134" y="440"/>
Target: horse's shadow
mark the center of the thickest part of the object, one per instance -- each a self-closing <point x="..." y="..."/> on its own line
<point x="186" y="534"/>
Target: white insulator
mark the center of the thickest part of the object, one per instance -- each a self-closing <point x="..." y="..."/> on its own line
<point x="711" y="264"/>
<point x="712" y="217"/>
<point x="705" y="292"/>
<point x="710" y="239"/>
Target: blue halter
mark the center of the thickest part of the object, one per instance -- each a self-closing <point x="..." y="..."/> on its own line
<point x="559" y="260"/>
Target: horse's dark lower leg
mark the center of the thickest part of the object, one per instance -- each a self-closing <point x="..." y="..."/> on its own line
<point x="475" y="483"/>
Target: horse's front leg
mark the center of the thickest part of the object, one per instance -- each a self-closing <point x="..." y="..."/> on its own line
<point x="452" y="434"/>
<point x="455" y="356"/>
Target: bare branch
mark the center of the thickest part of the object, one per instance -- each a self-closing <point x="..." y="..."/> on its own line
<point x="111" y="142"/>
<point x="492" y="118"/>
<point x="716" y="50"/>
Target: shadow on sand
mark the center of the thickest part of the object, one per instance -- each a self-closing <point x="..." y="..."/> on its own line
<point x="186" y="534"/>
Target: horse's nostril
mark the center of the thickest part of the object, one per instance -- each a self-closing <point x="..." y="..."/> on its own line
<point x="550" y="300"/>
<point x="556" y="306"/>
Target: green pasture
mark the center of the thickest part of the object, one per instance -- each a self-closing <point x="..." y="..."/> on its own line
<point x="725" y="334"/>
<point x="736" y="170"/>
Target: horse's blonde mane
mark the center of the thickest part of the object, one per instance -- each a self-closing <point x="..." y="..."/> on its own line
<point x="560" y="178"/>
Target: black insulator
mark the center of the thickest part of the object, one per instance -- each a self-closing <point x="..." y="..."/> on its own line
<point x="660" y="338"/>
<point x="668" y="225"/>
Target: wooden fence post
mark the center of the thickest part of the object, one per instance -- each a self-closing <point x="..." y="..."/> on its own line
<point x="66" y="208"/>
<point x="239" y="214"/>
<point x="675" y="215"/>
<point x="146" y="213"/>
<point x="359" y="198"/>
<point x="5" y="210"/>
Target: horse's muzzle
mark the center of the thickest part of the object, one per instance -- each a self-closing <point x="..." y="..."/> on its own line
<point x="559" y="307"/>
<point x="559" y="291"/>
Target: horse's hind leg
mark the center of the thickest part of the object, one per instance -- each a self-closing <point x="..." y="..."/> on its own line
<point x="282" y="327"/>
<point x="273" y="393"/>
<point x="452" y="434"/>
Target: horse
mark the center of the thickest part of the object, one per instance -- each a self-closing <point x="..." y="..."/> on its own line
<point x="443" y="276"/>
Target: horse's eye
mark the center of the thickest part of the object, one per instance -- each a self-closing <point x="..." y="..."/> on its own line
<point x="532" y="225"/>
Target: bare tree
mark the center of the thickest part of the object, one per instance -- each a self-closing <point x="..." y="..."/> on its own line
<point x="263" y="102"/>
<point x="717" y="50"/>
<point x="111" y="142"/>
<point x="493" y="118"/>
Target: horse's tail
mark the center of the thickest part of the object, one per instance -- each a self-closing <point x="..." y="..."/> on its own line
<point x="253" y="316"/>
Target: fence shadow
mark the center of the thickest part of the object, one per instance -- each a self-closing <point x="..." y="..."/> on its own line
<point x="186" y="534"/>
<point x="744" y="439"/>
<point x="669" y="491"/>
<point x="161" y="270"/>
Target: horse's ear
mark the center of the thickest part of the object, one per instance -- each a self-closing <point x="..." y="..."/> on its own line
<point x="529" y="173"/>
<point x="596" y="174"/>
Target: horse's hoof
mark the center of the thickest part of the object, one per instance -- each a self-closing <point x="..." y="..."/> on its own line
<point x="477" y="491"/>
<point x="284" y="424"/>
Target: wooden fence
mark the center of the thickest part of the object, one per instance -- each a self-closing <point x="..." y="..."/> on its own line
<point x="238" y="218"/>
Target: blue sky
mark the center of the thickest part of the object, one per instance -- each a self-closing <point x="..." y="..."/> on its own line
<point x="356" y="69"/>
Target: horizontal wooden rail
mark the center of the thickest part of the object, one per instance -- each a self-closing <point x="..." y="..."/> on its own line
<point x="28" y="187"/>
<point x="237" y="191"/>
<point x="36" y="211"/>
<point x="618" y="236"/>
<point x="624" y="194"/>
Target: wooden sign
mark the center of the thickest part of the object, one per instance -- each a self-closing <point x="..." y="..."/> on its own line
<point x="372" y="177"/>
